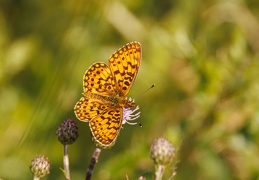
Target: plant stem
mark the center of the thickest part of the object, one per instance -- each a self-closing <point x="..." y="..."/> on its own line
<point x="36" y="178"/>
<point x="159" y="172"/>
<point x="66" y="162"/>
<point x="93" y="161"/>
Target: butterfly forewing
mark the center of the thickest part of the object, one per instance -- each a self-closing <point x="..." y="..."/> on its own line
<point x="124" y="65"/>
<point x="99" y="79"/>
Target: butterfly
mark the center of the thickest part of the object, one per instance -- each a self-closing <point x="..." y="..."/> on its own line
<point x="105" y="87"/>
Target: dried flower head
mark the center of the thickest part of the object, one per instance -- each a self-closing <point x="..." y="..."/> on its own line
<point x="40" y="166"/>
<point x="162" y="151"/>
<point x="67" y="132"/>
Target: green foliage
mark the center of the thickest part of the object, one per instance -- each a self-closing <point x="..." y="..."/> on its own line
<point x="202" y="56"/>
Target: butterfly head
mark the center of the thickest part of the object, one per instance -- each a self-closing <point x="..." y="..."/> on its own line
<point x="128" y="103"/>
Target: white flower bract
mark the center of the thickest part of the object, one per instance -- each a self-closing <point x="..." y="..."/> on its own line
<point x="130" y="115"/>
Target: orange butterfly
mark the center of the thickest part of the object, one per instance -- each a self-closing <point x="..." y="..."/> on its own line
<point x="105" y="105"/>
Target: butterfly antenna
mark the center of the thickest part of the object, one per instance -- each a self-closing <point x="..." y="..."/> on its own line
<point x="153" y="85"/>
<point x="140" y="125"/>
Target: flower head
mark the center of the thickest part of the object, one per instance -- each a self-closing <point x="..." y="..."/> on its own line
<point x="128" y="115"/>
<point x="162" y="151"/>
<point x="40" y="166"/>
<point x="67" y="132"/>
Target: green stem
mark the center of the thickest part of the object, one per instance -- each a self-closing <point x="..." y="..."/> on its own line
<point x="66" y="162"/>
<point x="36" y="178"/>
<point x="160" y="172"/>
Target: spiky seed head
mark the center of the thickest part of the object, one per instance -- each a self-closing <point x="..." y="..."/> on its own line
<point x="67" y="132"/>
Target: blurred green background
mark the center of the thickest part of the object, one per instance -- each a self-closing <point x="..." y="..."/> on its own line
<point x="202" y="56"/>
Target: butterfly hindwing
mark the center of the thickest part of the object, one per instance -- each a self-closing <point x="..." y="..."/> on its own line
<point x="106" y="127"/>
<point x="87" y="109"/>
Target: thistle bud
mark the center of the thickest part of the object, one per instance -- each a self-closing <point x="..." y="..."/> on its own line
<point x="40" y="166"/>
<point x="67" y="132"/>
<point x="162" y="151"/>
